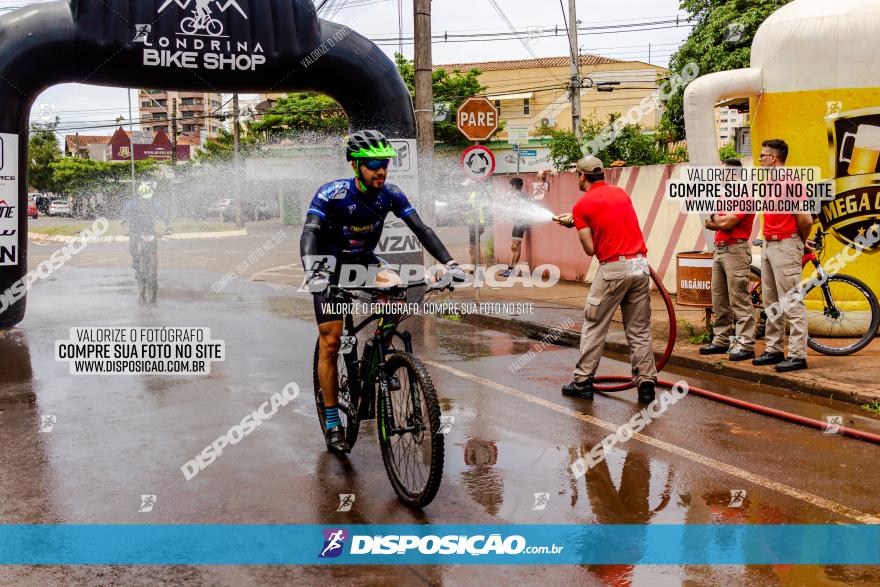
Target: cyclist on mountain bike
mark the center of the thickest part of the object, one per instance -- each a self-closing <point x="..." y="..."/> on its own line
<point x="141" y="215"/>
<point x="345" y="221"/>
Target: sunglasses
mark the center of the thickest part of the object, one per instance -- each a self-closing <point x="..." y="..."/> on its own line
<point x="376" y="164"/>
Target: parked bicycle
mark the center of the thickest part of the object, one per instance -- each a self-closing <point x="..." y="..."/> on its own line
<point x="395" y="385"/>
<point x="843" y="314"/>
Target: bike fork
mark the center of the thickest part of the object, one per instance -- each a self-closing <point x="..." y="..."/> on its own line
<point x="830" y="307"/>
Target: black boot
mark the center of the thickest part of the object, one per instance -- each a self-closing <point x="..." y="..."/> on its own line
<point x="646" y="392"/>
<point x="579" y="389"/>
<point x="769" y="359"/>
<point x="791" y="364"/>
<point x="713" y="349"/>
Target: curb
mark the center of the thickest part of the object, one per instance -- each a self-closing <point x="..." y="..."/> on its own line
<point x="37" y="236"/>
<point x="842" y="391"/>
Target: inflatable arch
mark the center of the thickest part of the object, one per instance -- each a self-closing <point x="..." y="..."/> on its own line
<point x="193" y="45"/>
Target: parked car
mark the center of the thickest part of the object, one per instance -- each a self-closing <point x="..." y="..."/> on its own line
<point x="59" y="208"/>
<point x="265" y="210"/>
<point x="220" y="207"/>
<point x="248" y="211"/>
<point x="32" y="208"/>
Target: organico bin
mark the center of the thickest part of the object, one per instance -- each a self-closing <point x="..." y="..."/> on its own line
<point x="693" y="277"/>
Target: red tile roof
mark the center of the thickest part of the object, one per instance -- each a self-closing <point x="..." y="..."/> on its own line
<point x="527" y="63"/>
<point x="75" y="142"/>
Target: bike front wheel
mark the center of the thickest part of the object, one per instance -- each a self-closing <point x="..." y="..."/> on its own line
<point x="347" y="401"/>
<point x="843" y="316"/>
<point x="413" y="449"/>
<point x="214" y="28"/>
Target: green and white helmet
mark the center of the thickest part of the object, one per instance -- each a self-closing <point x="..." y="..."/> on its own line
<point x="146" y="189"/>
<point x="368" y="144"/>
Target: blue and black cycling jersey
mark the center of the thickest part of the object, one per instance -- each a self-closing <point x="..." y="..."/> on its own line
<point x="351" y="221"/>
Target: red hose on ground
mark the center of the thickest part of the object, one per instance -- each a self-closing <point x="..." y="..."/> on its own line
<point x="603" y="383"/>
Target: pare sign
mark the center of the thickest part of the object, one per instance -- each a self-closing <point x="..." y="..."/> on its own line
<point x="477" y="119"/>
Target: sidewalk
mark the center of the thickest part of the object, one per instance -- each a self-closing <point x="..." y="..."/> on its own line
<point x="855" y="378"/>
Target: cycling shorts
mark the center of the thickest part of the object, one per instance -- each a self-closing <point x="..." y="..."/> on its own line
<point x="322" y="300"/>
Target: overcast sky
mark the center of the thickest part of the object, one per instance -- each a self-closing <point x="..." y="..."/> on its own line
<point x="80" y="106"/>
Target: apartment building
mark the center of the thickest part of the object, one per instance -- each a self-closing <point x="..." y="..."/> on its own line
<point x="196" y="111"/>
<point x="727" y="121"/>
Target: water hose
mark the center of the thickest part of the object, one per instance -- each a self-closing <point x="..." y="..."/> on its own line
<point x="611" y="383"/>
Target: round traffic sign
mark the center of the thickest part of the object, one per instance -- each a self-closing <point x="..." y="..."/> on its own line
<point x="478" y="162"/>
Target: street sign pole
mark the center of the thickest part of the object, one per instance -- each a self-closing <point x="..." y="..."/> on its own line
<point x="518" y="157"/>
<point x="477" y="224"/>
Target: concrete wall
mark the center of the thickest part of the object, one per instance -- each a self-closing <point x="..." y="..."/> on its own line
<point x="666" y="230"/>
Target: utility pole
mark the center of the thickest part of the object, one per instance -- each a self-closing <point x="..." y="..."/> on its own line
<point x="424" y="87"/>
<point x="173" y="133"/>
<point x="575" y="84"/>
<point x="236" y="145"/>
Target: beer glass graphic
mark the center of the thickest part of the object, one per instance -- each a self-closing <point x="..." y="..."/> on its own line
<point x="865" y="150"/>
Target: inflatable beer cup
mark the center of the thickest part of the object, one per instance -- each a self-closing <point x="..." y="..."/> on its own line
<point x="813" y="82"/>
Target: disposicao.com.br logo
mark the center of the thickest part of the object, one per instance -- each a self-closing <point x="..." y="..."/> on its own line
<point x="431" y="544"/>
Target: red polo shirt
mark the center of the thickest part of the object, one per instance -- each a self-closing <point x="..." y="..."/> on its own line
<point x="780" y="224"/>
<point x="608" y="211"/>
<point x="742" y="229"/>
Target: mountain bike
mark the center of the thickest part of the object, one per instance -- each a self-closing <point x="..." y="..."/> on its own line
<point x="192" y="25"/>
<point x="392" y="385"/>
<point x="843" y="314"/>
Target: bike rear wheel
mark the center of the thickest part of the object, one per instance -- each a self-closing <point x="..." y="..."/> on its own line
<point x="414" y="459"/>
<point x="846" y="325"/>
<point x="347" y="403"/>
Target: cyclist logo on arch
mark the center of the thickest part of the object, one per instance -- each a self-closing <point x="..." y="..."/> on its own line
<point x="202" y="21"/>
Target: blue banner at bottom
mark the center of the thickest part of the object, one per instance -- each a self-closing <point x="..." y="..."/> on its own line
<point x="438" y="544"/>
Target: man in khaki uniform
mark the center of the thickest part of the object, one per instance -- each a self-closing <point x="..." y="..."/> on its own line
<point x="785" y="236"/>
<point x="609" y="229"/>
<point x="731" y="301"/>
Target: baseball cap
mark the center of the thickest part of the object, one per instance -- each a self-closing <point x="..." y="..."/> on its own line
<point x="590" y="165"/>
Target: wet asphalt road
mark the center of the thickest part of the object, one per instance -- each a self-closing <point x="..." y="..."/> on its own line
<point x="116" y="438"/>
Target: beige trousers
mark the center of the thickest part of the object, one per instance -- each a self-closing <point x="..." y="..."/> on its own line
<point x="780" y="275"/>
<point x="734" y="315"/>
<point x="623" y="284"/>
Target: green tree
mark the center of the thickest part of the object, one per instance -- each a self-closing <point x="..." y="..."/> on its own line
<point x="42" y="152"/>
<point x="73" y="176"/>
<point x="302" y="112"/>
<point x="720" y="40"/>
<point x="630" y="144"/>
<point x="728" y="151"/>
<point x="222" y="148"/>
<point x="449" y="87"/>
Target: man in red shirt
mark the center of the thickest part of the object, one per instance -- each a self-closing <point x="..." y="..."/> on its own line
<point x="731" y="302"/>
<point x="785" y="236"/>
<point x="609" y="229"/>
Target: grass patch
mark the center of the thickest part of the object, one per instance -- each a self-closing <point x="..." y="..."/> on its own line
<point x="695" y="334"/>
<point x="873" y="407"/>
<point x="116" y="229"/>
